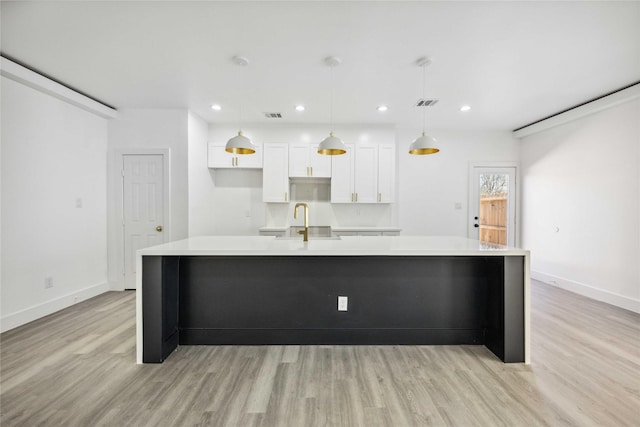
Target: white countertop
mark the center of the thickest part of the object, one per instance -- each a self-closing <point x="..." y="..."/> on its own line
<point x="286" y="228"/>
<point x="344" y="246"/>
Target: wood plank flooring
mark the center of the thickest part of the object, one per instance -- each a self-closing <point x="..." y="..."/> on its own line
<point x="77" y="368"/>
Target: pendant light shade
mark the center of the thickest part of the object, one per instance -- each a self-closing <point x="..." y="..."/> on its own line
<point x="424" y="144"/>
<point x="332" y="145"/>
<point x="240" y="144"/>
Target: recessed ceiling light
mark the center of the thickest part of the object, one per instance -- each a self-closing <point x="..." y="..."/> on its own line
<point x="216" y="107"/>
<point x="299" y="107"/>
<point x="382" y="108"/>
<point x="465" y="108"/>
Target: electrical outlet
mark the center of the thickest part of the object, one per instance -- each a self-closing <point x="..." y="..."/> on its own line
<point x="343" y="303"/>
<point x="48" y="282"/>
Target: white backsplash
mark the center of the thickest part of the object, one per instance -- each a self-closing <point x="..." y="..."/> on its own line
<point x="335" y="215"/>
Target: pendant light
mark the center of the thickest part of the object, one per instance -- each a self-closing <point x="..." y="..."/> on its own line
<point x="240" y="144"/>
<point x="331" y="145"/>
<point x="423" y="144"/>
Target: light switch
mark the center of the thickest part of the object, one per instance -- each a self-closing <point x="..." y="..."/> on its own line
<point x="343" y="303"/>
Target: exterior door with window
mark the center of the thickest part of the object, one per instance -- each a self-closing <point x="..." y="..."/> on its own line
<point x="493" y="205"/>
<point x="143" y="208"/>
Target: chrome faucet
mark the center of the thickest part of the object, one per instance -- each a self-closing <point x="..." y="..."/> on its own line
<point x="304" y="232"/>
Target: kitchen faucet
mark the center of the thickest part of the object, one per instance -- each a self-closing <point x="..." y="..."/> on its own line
<point x="304" y="232"/>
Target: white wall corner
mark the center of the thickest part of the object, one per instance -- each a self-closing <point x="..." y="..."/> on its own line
<point x="18" y="73"/>
<point x="35" y="312"/>
<point x="607" y="101"/>
<point x="608" y="297"/>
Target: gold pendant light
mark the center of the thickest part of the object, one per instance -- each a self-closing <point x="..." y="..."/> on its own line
<point x="240" y="144"/>
<point x="332" y="145"/>
<point x="423" y="144"/>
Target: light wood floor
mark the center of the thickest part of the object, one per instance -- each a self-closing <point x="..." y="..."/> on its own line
<point x="77" y="368"/>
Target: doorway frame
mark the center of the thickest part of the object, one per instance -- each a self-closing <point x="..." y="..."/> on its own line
<point x="517" y="198"/>
<point x="115" y="208"/>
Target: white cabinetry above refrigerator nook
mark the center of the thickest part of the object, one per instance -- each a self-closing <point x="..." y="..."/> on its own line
<point x="304" y="161"/>
<point x="218" y="158"/>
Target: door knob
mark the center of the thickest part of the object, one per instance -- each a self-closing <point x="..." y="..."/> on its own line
<point x="476" y="225"/>
<point x="159" y="228"/>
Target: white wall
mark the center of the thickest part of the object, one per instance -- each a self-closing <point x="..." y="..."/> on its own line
<point x="198" y="131"/>
<point x="53" y="154"/>
<point x="581" y="205"/>
<point x="229" y="201"/>
<point x="429" y="186"/>
<point x="139" y="129"/>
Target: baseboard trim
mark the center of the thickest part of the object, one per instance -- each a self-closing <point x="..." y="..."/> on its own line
<point x="38" y="311"/>
<point x="588" y="291"/>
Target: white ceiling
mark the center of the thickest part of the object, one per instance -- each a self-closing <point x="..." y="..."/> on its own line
<point x="513" y="62"/>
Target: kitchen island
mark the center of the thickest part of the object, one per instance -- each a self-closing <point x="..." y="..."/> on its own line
<point x="416" y="290"/>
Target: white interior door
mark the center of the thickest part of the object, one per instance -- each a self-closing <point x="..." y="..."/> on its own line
<point x="492" y="202"/>
<point x="143" y="208"/>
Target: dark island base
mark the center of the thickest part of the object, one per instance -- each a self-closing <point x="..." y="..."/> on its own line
<point x="436" y="300"/>
<point x="330" y="336"/>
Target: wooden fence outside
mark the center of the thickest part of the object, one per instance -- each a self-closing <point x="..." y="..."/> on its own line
<point x="493" y="218"/>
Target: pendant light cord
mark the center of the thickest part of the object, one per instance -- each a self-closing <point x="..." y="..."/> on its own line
<point x="331" y="102"/>
<point x="424" y="92"/>
<point x="242" y="78"/>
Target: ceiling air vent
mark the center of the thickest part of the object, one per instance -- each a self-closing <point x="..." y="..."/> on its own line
<point x="426" y="102"/>
<point x="273" y="115"/>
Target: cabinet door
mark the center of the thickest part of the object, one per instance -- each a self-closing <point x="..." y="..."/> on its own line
<point x="320" y="163"/>
<point x="366" y="174"/>
<point x="217" y="157"/>
<point x="386" y="173"/>
<point x="342" y="176"/>
<point x="298" y="162"/>
<point x="250" y="161"/>
<point x="275" y="178"/>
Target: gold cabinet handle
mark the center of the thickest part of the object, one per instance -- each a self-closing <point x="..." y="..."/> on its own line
<point x="311" y="170"/>
<point x="286" y="196"/>
<point x="379" y="197"/>
<point x="356" y="197"/>
<point x="159" y="228"/>
<point x="352" y="200"/>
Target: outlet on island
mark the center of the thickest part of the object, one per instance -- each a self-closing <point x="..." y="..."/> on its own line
<point x="343" y="303"/>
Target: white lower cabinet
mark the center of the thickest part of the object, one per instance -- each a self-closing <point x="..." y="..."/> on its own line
<point x="365" y="174"/>
<point x="365" y="233"/>
<point x="275" y="173"/>
<point x="276" y="233"/>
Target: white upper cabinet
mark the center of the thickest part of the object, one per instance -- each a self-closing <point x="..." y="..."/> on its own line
<point x="342" y="169"/>
<point x="275" y="178"/>
<point x="304" y="161"/>
<point x="365" y="174"/>
<point x="217" y="157"/>
<point x="386" y="173"/>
